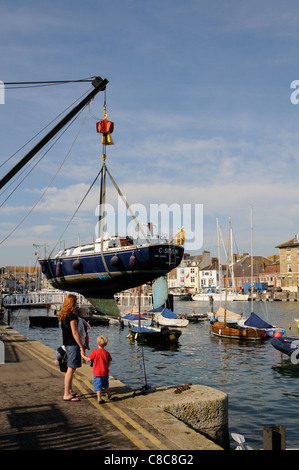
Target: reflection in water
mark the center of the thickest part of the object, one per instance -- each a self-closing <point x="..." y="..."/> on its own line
<point x="286" y="368"/>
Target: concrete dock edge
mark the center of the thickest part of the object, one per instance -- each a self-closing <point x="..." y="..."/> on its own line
<point x="196" y="418"/>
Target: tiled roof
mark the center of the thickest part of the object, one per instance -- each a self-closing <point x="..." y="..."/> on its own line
<point x="293" y="242"/>
<point x="242" y="268"/>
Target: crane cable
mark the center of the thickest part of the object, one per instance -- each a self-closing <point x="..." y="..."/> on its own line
<point x="45" y="127"/>
<point x="17" y="85"/>
<point x="58" y="170"/>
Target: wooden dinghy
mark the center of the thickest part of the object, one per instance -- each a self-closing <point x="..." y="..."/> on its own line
<point x="224" y="330"/>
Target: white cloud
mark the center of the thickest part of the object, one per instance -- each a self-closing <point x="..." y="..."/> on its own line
<point x="42" y="229"/>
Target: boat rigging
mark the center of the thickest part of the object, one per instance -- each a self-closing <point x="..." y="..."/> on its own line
<point x="111" y="264"/>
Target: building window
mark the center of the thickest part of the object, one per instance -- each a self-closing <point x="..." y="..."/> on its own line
<point x="289" y="268"/>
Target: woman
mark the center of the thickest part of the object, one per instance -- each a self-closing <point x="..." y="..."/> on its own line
<point x="71" y="341"/>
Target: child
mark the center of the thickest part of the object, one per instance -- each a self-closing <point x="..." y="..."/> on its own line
<point x="82" y="327"/>
<point x="101" y="362"/>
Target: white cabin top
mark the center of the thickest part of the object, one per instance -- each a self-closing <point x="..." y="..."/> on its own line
<point x="95" y="247"/>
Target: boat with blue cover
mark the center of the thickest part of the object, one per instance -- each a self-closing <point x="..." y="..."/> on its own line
<point x="168" y="318"/>
<point x="135" y="319"/>
<point x="254" y="321"/>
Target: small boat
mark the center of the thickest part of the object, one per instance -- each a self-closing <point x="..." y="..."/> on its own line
<point x="230" y="317"/>
<point x="169" y="318"/>
<point x="153" y="335"/>
<point x="43" y="321"/>
<point x="182" y="295"/>
<point x="195" y="317"/>
<point x="237" y="332"/>
<point x="287" y="345"/>
<point x="254" y="321"/>
<point x="219" y="296"/>
<point x="202" y="297"/>
<point x="98" y="320"/>
<point x="135" y="318"/>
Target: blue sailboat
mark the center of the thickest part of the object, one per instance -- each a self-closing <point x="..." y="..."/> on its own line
<point x="98" y="271"/>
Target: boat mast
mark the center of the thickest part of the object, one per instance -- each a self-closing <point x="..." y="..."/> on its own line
<point x="225" y="300"/>
<point x="220" y="280"/>
<point x="99" y="85"/>
<point x="251" y="248"/>
<point x="232" y="262"/>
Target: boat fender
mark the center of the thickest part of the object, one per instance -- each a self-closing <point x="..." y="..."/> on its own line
<point x="76" y="264"/>
<point x="44" y="267"/>
<point x="132" y="262"/>
<point x="114" y="261"/>
<point x="58" y="269"/>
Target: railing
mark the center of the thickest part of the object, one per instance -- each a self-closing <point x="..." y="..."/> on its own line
<point x="37" y="299"/>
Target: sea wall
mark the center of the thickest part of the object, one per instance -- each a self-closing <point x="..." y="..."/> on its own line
<point x="205" y="410"/>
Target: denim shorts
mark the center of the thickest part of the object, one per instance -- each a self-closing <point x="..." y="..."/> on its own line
<point x="100" y="382"/>
<point x="73" y="356"/>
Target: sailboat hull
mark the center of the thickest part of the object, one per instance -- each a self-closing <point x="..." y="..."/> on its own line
<point x="152" y="335"/>
<point x="225" y="331"/>
<point x="98" y="276"/>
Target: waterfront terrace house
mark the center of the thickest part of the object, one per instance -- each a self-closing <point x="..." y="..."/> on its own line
<point x="239" y="275"/>
<point x="186" y="275"/>
<point x="209" y="276"/>
<point x="271" y="275"/>
<point x="289" y="264"/>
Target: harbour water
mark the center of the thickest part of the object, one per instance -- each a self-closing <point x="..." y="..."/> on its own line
<point x="262" y="385"/>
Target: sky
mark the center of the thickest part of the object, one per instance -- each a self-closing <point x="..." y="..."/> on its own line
<point x="203" y="107"/>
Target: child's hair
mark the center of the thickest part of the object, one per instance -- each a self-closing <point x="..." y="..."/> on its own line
<point x="82" y="311"/>
<point x="102" y="341"/>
